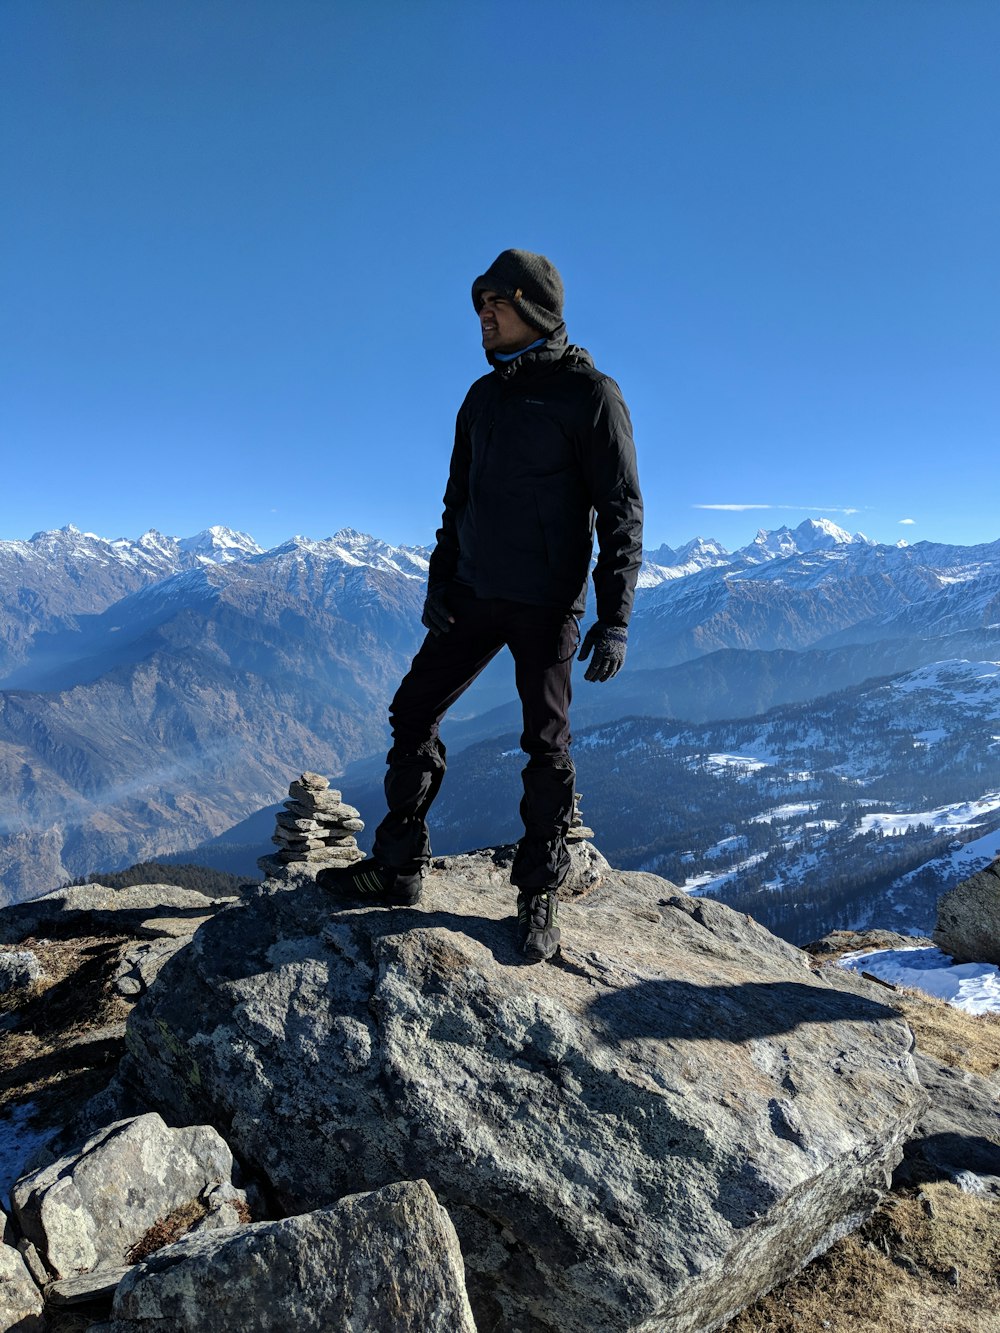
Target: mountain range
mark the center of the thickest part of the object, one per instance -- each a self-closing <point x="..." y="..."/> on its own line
<point x="153" y="693"/>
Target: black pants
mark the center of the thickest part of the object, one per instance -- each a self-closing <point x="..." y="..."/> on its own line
<point x="543" y="642"/>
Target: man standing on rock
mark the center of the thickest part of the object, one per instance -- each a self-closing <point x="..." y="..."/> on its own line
<point x="543" y="456"/>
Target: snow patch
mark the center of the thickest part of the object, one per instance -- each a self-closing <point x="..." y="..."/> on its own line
<point x="19" y="1141"/>
<point x="958" y="817"/>
<point x="974" y="987"/>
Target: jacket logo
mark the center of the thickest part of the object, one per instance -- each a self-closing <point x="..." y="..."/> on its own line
<point x="535" y="402"/>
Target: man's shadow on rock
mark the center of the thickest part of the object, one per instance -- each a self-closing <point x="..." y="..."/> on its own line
<point x="663" y="1008"/>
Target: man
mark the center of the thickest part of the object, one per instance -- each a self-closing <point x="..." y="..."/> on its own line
<point x="543" y="449"/>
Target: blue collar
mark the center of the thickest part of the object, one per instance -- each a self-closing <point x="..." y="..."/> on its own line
<point x="512" y="356"/>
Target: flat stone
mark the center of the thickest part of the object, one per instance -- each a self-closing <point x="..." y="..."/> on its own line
<point x="84" y="907"/>
<point x="327" y="834"/>
<point x="312" y="795"/>
<point x="327" y="803"/>
<point x="297" y="824"/>
<point x="179" y="928"/>
<point x="958" y="1135"/>
<point x="382" y="1262"/>
<point x="314" y="781"/>
<point x="846" y="941"/>
<point x="85" y="1287"/>
<point x="33" y="1262"/>
<point x="331" y="821"/>
<point x="288" y="871"/>
<point x="325" y="856"/>
<point x="579" y="833"/>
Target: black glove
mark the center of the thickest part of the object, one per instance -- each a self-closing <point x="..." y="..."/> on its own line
<point x="608" y="643"/>
<point x="437" y="615"/>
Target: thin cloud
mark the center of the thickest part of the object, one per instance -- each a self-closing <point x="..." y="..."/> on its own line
<point x="907" y="520"/>
<point x="815" y="509"/>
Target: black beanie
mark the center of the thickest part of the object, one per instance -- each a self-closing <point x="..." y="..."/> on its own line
<point x="530" y="282"/>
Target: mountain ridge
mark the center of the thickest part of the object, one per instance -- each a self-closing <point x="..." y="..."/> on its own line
<point x="216" y="669"/>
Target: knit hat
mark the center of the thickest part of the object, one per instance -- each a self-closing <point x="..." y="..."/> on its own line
<point x="530" y="282"/>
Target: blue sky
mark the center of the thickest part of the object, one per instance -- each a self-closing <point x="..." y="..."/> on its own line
<point x="237" y="239"/>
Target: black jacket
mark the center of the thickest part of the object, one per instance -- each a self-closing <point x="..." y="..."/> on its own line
<point x="543" y="446"/>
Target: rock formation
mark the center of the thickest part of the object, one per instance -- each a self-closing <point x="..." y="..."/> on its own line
<point x="315" y="830"/>
<point x="150" y="910"/>
<point x="578" y="830"/>
<point x="646" y="1134"/>
<point x="386" y="1261"/>
<point x="87" y="1211"/>
<point x="18" y="967"/>
<point x="968" y="919"/>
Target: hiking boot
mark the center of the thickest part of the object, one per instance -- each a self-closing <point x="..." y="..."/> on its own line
<point x="370" y="882"/>
<point x="537" y="932"/>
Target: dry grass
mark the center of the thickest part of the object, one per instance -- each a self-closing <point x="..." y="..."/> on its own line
<point x="68" y="1321"/>
<point x="175" y="1225"/>
<point x="927" y="1262"/>
<point x="55" y="1057"/>
<point x="168" y="1229"/>
<point x="965" y="1041"/>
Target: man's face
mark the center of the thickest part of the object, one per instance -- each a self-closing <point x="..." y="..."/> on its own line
<point x="503" y="328"/>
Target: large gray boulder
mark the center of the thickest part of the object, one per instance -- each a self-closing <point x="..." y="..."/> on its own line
<point x="20" y="1299"/>
<point x="968" y="918"/>
<point x="87" y="1210"/>
<point x="958" y="1136"/>
<point x="645" y="1134"/>
<point x="387" y="1261"/>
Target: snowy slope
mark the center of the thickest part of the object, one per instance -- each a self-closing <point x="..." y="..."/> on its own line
<point x="974" y="987"/>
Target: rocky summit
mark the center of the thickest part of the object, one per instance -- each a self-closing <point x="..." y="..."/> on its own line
<point x="644" y="1135"/>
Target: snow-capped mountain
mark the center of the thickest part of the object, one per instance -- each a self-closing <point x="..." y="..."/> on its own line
<point x="360" y="549"/>
<point x="814" y="534"/>
<point x="52" y="585"/>
<point x="158" y="690"/>
<point x="665" y="563"/>
<point x="218" y="545"/>
<point x="828" y="592"/>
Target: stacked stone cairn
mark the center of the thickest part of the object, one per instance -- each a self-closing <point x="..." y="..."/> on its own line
<point x="315" y="831"/>
<point x="578" y="830"/>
